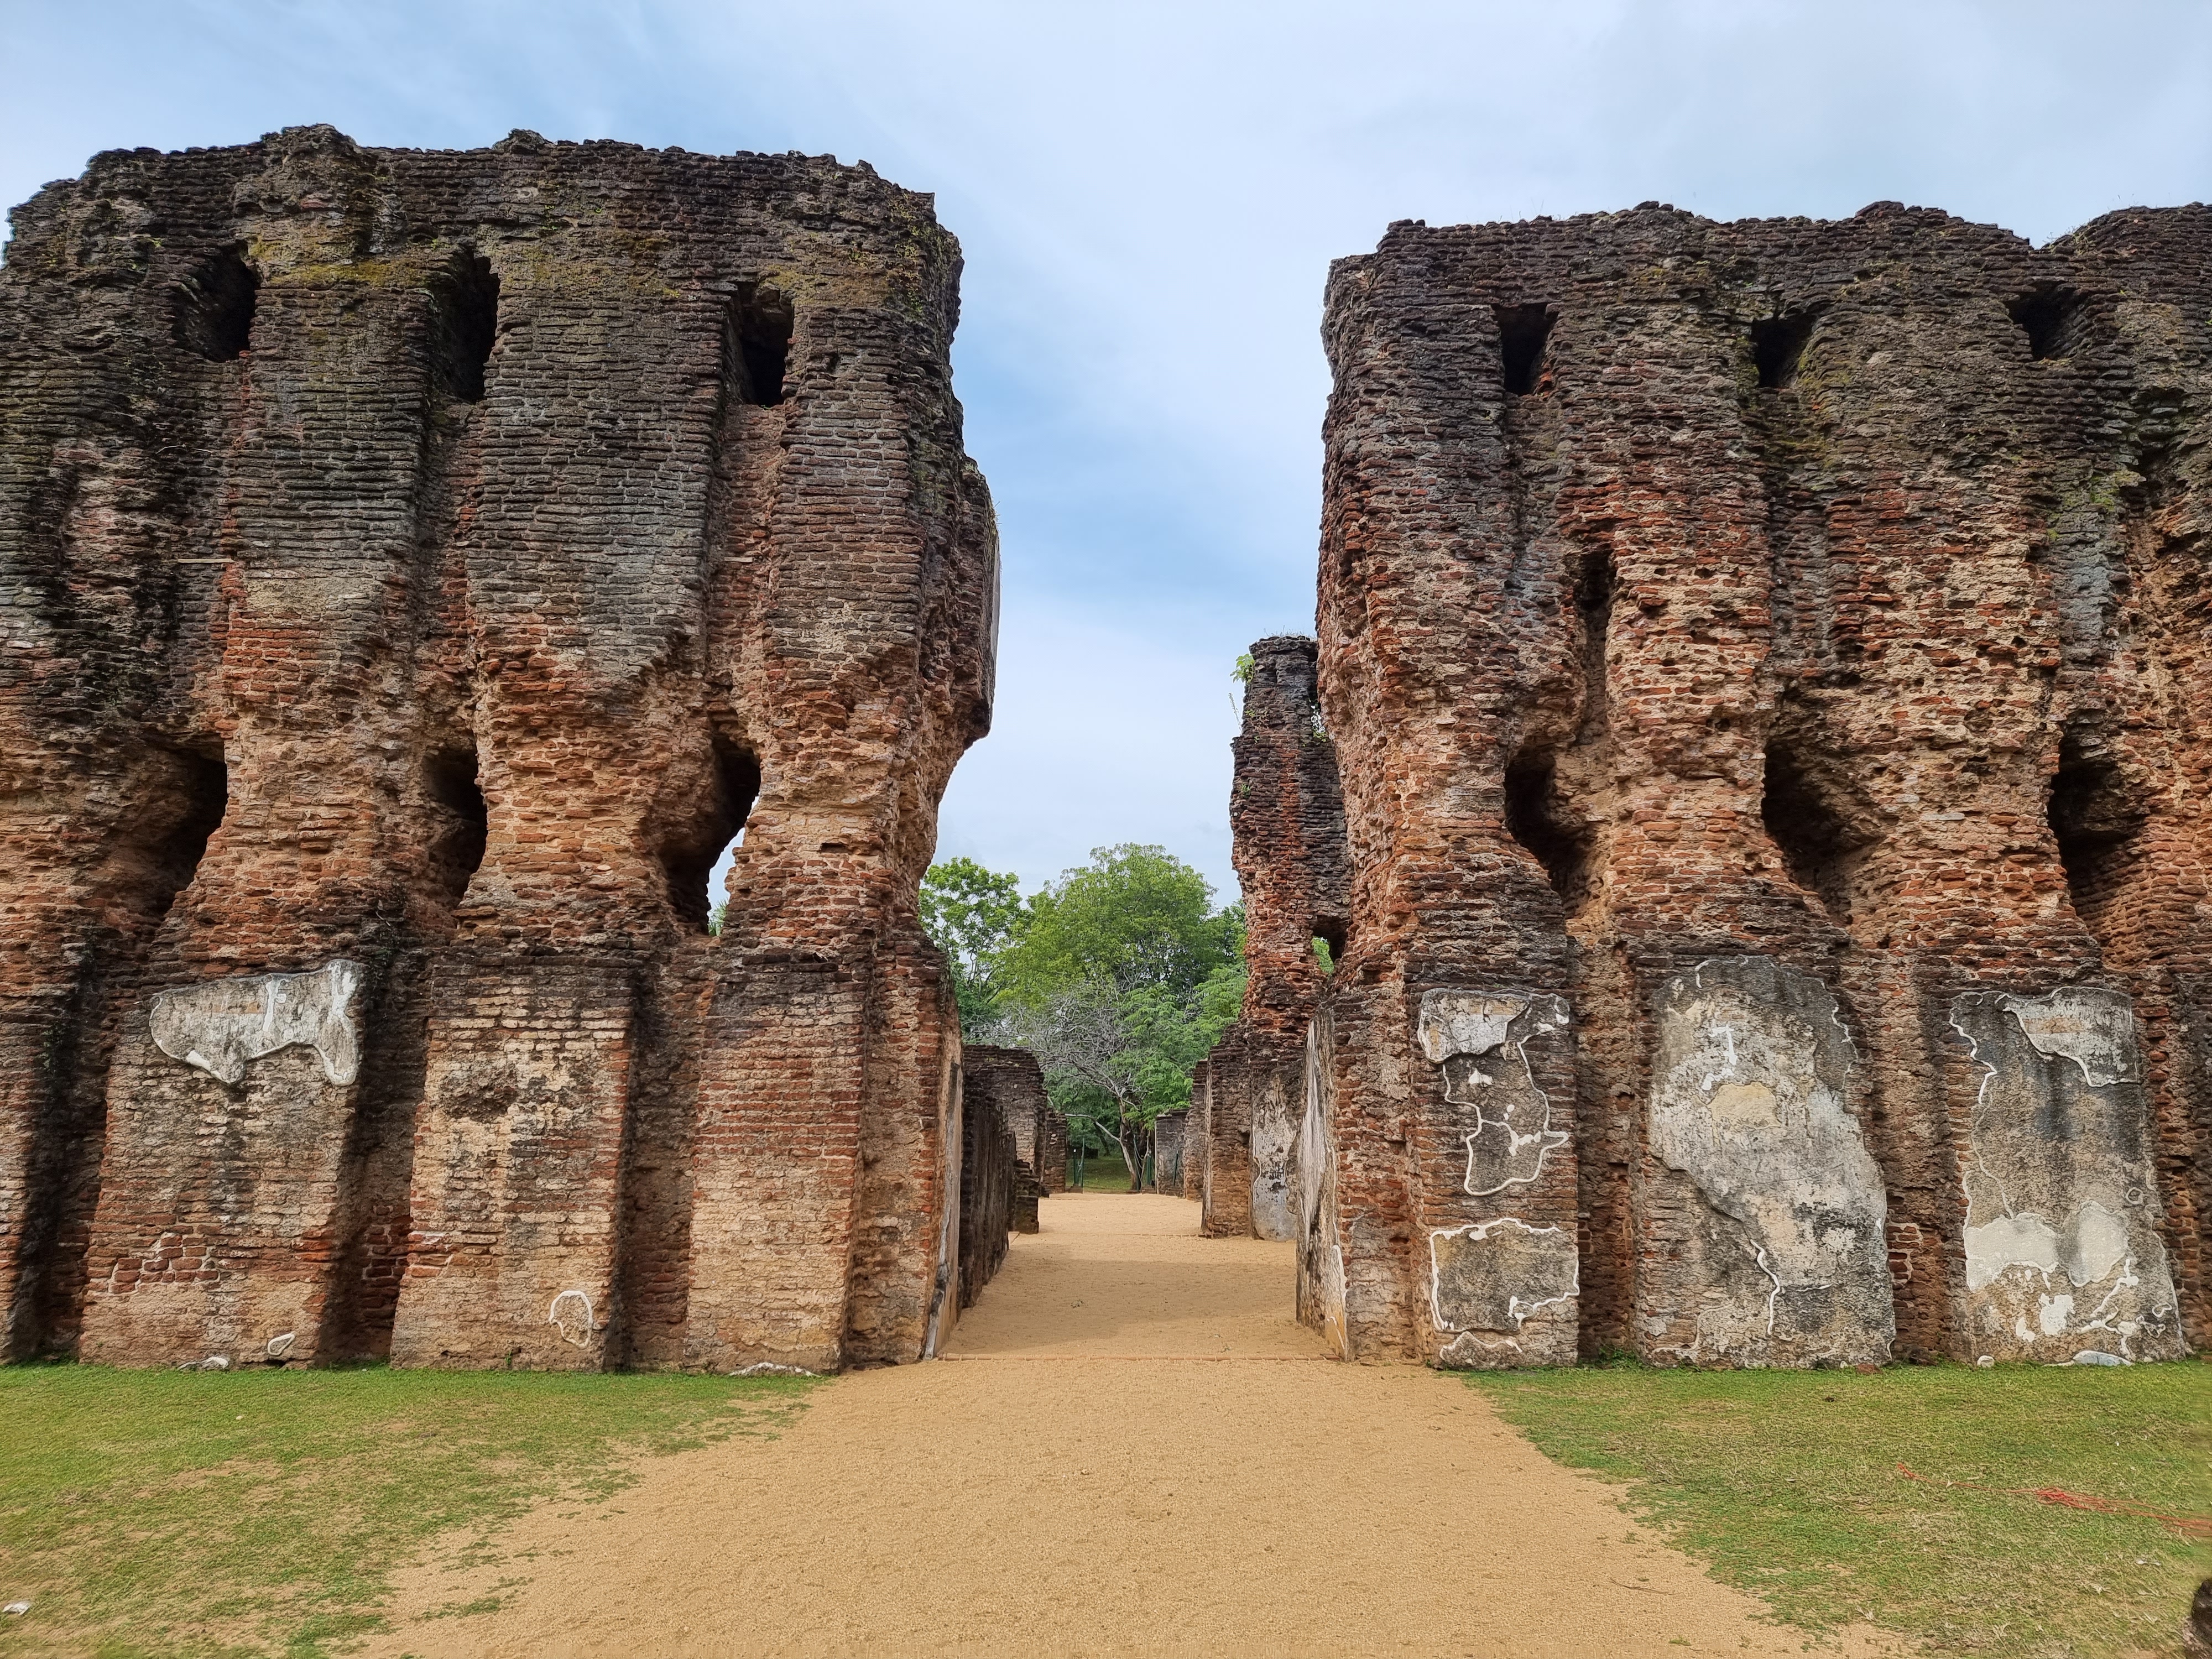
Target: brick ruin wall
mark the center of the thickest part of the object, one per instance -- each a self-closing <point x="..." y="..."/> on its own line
<point x="990" y="1178"/>
<point x="1052" y="1152"/>
<point x="1169" y="1131"/>
<point x="1196" y="1158"/>
<point x="1011" y="1083"/>
<point x="1763" y="663"/>
<point x="417" y="567"/>
<point x="1286" y="824"/>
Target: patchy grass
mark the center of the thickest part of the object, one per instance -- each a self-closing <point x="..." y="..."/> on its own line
<point x="262" y="1512"/>
<point x="1105" y="1175"/>
<point x="1787" y="1482"/>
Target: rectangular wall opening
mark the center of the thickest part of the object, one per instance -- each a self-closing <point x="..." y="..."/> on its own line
<point x="211" y="309"/>
<point x="1522" y="333"/>
<point x="756" y="345"/>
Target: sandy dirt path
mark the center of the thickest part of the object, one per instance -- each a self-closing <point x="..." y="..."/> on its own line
<point x="1130" y="1449"/>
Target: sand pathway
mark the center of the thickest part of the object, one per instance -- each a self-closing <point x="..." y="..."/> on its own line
<point x="1130" y="1449"/>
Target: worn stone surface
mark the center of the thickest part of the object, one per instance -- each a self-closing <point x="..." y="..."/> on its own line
<point x="1286" y="821"/>
<point x="2062" y="1241"/>
<point x="1781" y="633"/>
<point x="415" y="568"/>
<point x="1752" y="1081"/>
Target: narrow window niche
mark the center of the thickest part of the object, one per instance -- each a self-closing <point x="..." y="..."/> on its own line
<point x="463" y="823"/>
<point x="1777" y="344"/>
<point x="2051" y="317"/>
<point x="1522" y="334"/>
<point x="2095" y="817"/>
<point x="212" y="308"/>
<point x="1328" y="936"/>
<point x="464" y="323"/>
<point x="1823" y="849"/>
<point x="1537" y="818"/>
<point x="756" y="345"/>
<point x="693" y="849"/>
<point x="180" y="796"/>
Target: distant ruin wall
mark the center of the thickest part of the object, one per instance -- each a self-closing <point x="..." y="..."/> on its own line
<point x="1052" y="1153"/>
<point x="1286" y="820"/>
<point x="1168" y="1134"/>
<point x="1009" y="1085"/>
<point x="1762" y="660"/>
<point x="416" y="567"/>
<point x="991" y="1179"/>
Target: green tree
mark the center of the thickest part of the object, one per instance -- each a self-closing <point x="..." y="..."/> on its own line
<point x="972" y="915"/>
<point x="1120" y="979"/>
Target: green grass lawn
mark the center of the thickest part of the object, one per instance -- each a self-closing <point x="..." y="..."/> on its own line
<point x="1787" y="1483"/>
<point x="1105" y="1175"/>
<point x="261" y="1512"/>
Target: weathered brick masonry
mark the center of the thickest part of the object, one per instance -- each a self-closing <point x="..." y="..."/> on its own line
<point x="1767" y="665"/>
<point x="1011" y="1083"/>
<point x="1286" y="820"/>
<point x="1170" y="1132"/>
<point x="417" y="567"/>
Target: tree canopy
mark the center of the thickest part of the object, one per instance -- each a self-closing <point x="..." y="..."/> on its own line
<point x="972" y="914"/>
<point x="1119" y="976"/>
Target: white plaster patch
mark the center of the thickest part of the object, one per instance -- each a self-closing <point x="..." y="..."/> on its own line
<point x="1749" y="1086"/>
<point x="1472" y="1351"/>
<point x="1273" y="1139"/>
<point x="2010" y="1240"/>
<point x="2093" y="1029"/>
<point x="1466" y="1022"/>
<point x="1543" y="1259"/>
<point x="572" y="1313"/>
<point x="222" y="1025"/>
<point x="2058" y="1197"/>
<point x="1513" y="1133"/>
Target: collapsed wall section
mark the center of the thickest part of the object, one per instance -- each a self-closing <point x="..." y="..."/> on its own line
<point x="1758" y="657"/>
<point x="419" y="566"/>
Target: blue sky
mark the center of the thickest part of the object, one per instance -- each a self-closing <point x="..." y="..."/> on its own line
<point x="1148" y="197"/>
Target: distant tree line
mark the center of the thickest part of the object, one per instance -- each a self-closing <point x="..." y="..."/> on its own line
<point x="1119" y="977"/>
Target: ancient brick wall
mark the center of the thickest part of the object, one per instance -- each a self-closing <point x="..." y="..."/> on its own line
<point x="1761" y="660"/>
<point x="1197" y="1135"/>
<point x="1169" y="1130"/>
<point x="416" y="566"/>
<point x="1052" y="1156"/>
<point x="1014" y="1084"/>
<point x="991" y="1183"/>
<point x="1286" y="824"/>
